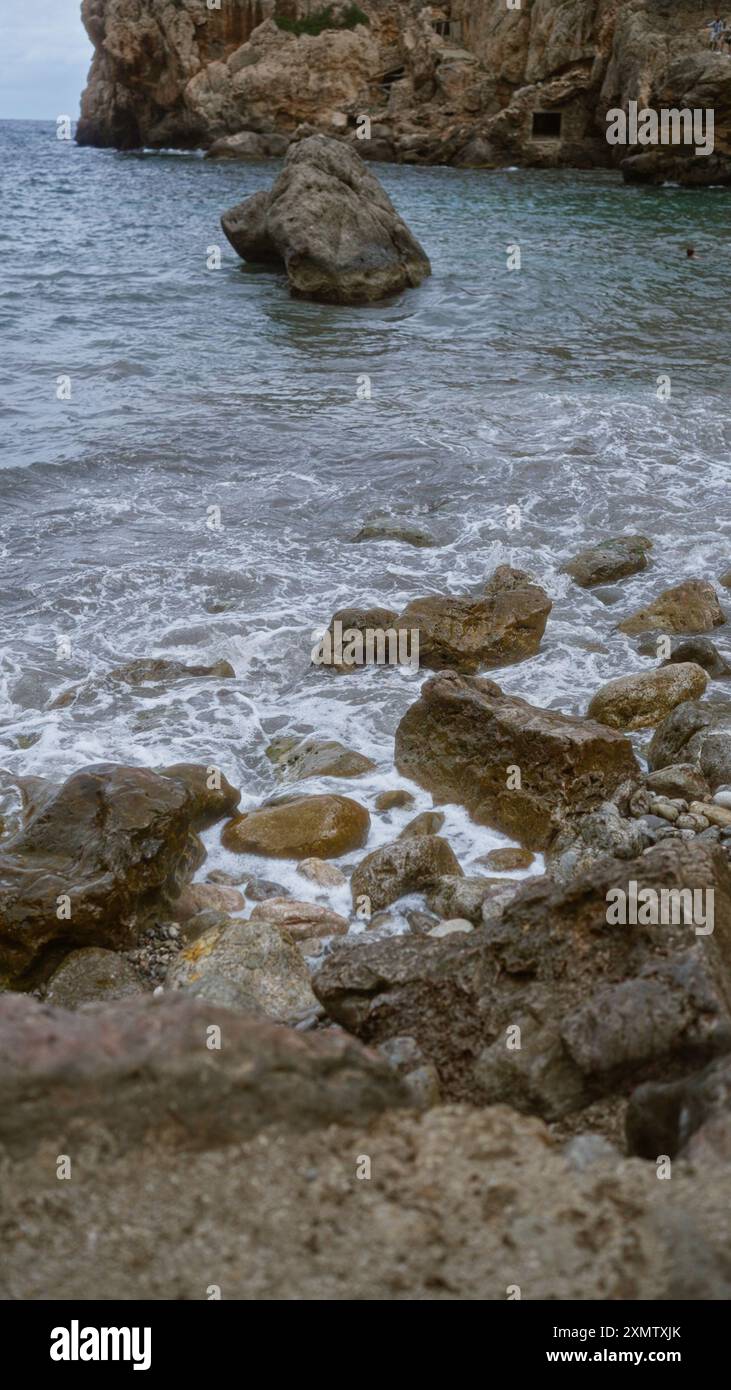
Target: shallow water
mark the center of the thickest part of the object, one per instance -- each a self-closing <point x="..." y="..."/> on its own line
<point x="195" y="388"/>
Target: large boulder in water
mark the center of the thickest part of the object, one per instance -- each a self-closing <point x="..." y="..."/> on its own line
<point x="691" y="606"/>
<point x="642" y="700"/>
<point x="300" y="827"/>
<point x="516" y="767"/>
<point x="98" y="855"/>
<point x="329" y="222"/>
<point x="471" y="634"/>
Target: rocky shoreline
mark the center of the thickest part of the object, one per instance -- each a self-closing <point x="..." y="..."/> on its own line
<point x="457" y="83"/>
<point x="156" y="1014"/>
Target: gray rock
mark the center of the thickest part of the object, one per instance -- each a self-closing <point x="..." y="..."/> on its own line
<point x="246" y="965"/>
<point x="428" y="823"/>
<point x="328" y="221"/>
<point x="609" y="560"/>
<point x="453" y="896"/>
<point x="405" y="866"/>
<point x="702" y="652"/>
<point x="92" y="976"/>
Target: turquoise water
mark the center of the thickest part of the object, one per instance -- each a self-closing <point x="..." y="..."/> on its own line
<point x="194" y="388"/>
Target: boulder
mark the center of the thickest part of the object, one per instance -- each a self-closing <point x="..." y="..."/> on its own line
<point x="320" y="872"/>
<point x="245" y="965"/>
<point x="92" y="976"/>
<point x="303" y="827"/>
<point x="704" y="653"/>
<point x="331" y="225"/>
<point x="101" y="855"/>
<point x="598" y="1005"/>
<point x="337" y="649"/>
<point x="406" y="866"/>
<point x="177" y="1069"/>
<point x="394" y="800"/>
<point x="249" y="144"/>
<point x="507" y="860"/>
<point x="203" y="897"/>
<point x="643" y="700"/>
<point x="157" y="670"/>
<point x="696" y="732"/>
<point x="594" y="836"/>
<point x="428" y="823"/>
<point x="300" y="920"/>
<point x="609" y="560"/>
<point x="466" y="634"/>
<point x="515" y="767"/>
<point x="313" y="757"/>
<point x="725" y="579"/>
<point x="691" y="606"/>
<point x="682" y="780"/>
<point x="452" y="896"/>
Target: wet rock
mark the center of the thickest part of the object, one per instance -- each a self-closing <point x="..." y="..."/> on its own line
<point x="330" y="224"/>
<point x="588" y="838"/>
<point x="300" y="920"/>
<point x="662" y="1117"/>
<point x="245" y="965"/>
<point x="696" y="732"/>
<point x="393" y="800"/>
<point x="199" y="897"/>
<point x="211" y="795"/>
<point x="154" y="670"/>
<point x="108" y="850"/>
<point x="428" y="823"/>
<point x="258" y="890"/>
<point x="464" y="740"/>
<point x="642" y="701"/>
<point x="146" y="1069"/>
<point x="725" y="579"/>
<point x="320" y="872"/>
<point x="609" y="560"/>
<point x="678" y="779"/>
<point x="702" y="652"/>
<point x="393" y="528"/>
<point x="92" y="976"/>
<point x="716" y="815"/>
<point x="466" y="634"/>
<point x="314" y="757"/>
<point x="507" y="860"/>
<point x="406" y="866"/>
<point x="691" y="606"/>
<point x="421" y="922"/>
<point x="599" y="1005"/>
<point x="304" y="827"/>
<point x="342" y="653"/>
<point x="453" y="896"/>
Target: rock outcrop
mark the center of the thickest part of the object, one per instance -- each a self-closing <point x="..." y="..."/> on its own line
<point x="331" y="225"/>
<point x="98" y="855"/>
<point x="515" y="767"/>
<point x="454" y="83"/>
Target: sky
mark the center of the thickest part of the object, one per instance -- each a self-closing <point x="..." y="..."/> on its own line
<point x="44" y="59"/>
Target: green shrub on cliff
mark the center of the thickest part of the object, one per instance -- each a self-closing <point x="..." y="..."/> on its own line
<point x="323" y="19"/>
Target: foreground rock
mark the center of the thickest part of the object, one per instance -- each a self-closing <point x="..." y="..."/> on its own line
<point x="698" y="733"/>
<point x="406" y="866"/>
<point x="99" y="856"/>
<point x="331" y="225"/>
<point x="146" y="1069"/>
<point x="688" y="607"/>
<point x="465" y="634"/>
<point x="462" y="1205"/>
<point x="92" y="976"/>
<point x="302" y="827"/>
<point x="663" y="1117"/>
<point x="599" y="1004"/>
<point x="642" y="701"/>
<point x="245" y="965"/>
<point x="609" y="560"/>
<point x="463" y="740"/>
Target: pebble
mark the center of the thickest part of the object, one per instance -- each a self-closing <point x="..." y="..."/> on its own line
<point x="666" y="809"/>
<point x="319" y="871"/>
<point x="722" y="797"/>
<point x="717" y="815"/>
<point x="452" y="926"/>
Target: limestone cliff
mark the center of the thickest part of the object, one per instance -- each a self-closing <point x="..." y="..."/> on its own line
<point x="464" y="82"/>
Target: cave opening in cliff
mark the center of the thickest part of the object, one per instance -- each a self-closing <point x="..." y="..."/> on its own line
<point x="546" y="125"/>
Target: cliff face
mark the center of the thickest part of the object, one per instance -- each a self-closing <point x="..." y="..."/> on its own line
<point x="464" y="82"/>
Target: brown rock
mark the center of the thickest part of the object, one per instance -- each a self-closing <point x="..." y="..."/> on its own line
<point x="467" y="634"/>
<point x="691" y="606"/>
<point x="406" y="866"/>
<point x="92" y="976"/>
<point x="301" y="920"/>
<point x="393" y="800"/>
<point x="109" y="848"/>
<point x="313" y="757"/>
<point x="200" y="897"/>
<point x="322" y="873"/>
<point x="341" y="654"/>
<point x="144" y="1069"/>
<point x="683" y="780"/>
<point x="508" y="859"/>
<point x="609" y="560"/>
<point x="641" y="701"/>
<point x="157" y="669"/>
<point x="320" y="827"/>
<point x="463" y="737"/>
<point x="332" y="226"/>
<point x="428" y="823"/>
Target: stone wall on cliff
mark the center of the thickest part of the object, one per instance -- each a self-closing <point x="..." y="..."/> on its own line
<point x="463" y="82"/>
